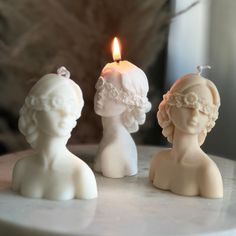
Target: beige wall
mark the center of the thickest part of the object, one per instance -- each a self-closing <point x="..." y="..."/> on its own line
<point x="222" y="55"/>
<point x="206" y="34"/>
<point x="188" y="39"/>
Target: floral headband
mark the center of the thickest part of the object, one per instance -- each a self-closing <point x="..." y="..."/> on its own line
<point x="191" y="100"/>
<point x="119" y="95"/>
<point x="48" y="103"/>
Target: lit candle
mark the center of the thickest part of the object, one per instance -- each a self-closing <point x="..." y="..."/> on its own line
<point x="116" y="50"/>
<point x="186" y="114"/>
<point x="121" y="100"/>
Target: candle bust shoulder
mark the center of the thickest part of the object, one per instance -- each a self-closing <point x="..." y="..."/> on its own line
<point x="186" y="114"/>
<point x="121" y="101"/>
<point x="46" y="119"/>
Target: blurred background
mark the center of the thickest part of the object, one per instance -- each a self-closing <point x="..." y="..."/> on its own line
<point x="167" y="39"/>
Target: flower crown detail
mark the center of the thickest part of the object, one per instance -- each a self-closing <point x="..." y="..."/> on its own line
<point x="119" y="95"/>
<point x="191" y="100"/>
<point x="47" y="103"/>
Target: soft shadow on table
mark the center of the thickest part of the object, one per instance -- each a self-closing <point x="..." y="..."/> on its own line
<point x="10" y="230"/>
<point x="22" y="216"/>
<point x="86" y="153"/>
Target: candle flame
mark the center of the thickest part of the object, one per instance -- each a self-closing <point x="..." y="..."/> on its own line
<point x="116" y="50"/>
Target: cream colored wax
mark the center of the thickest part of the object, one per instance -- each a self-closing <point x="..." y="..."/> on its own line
<point x="186" y="114"/>
<point x="46" y="119"/>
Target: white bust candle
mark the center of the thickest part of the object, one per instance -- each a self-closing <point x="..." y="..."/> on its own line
<point x="121" y="101"/>
<point x="186" y="114"/>
<point x="46" y="119"/>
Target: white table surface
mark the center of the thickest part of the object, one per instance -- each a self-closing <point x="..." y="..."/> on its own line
<point x="128" y="206"/>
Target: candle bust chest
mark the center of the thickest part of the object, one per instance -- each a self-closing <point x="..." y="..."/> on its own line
<point x="186" y="114"/>
<point x="46" y="119"/>
<point x="189" y="178"/>
<point x="53" y="181"/>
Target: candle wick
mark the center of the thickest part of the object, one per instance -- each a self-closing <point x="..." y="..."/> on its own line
<point x="62" y="71"/>
<point x="118" y="61"/>
<point x="201" y="68"/>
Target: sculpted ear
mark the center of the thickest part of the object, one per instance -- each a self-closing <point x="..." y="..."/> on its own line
<point x="168" y="111"/>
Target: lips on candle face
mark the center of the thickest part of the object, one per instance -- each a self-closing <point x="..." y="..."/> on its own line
<point x="191" y="120"/>
<point x="57" y="123"/>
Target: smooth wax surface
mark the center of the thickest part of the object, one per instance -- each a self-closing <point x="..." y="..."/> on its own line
<point x="46" y="119"/>
<point x="186" y="114"/>
<point x="127" y="206"/>
<point x="121" y="67"/>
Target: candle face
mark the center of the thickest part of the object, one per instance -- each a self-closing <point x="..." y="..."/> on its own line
<point x="108" y="87"/>
<point x="121" y="86"/>
<point x="62" y="118"/>
<point x="47" y="119"/>
<point x="191" y="116"/>
<point x="188" y="111"/>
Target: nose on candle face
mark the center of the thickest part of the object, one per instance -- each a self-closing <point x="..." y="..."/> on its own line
<point x="65" y="112"/>
<point x="195" y="112"/>
<point x="62" y="113"/>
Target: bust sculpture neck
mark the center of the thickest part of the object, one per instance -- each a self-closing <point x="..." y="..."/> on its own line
<point x="183" y="145"/>
<point x="113" y="127"/>
<point x="51" y="149"/>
